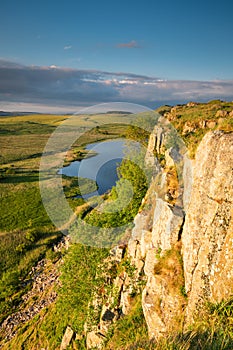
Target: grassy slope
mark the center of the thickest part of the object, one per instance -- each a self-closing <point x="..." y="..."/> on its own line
<point x="22" y="140"/>
<point x="199" y="119"/>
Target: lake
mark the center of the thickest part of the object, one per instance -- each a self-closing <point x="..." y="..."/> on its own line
<point x="102" y="167"/>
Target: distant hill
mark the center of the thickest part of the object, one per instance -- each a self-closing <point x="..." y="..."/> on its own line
<point x="10" y="114"/>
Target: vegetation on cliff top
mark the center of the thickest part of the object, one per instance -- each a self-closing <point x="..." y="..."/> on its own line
<point x="194" y="120"/>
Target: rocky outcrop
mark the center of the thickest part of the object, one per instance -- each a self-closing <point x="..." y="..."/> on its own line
<point x="157" y="231"/>
<point x="207" y="237"/>
<point x="42" y="283"/>
<point x="203" y="228"/>
<point x="221" y="113"/>
<point x="181" y="252"/>
<point x="43" y="277"/>
<point x="66" y="340"/>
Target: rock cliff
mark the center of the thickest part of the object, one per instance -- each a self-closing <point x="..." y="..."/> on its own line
<point x="204" y="231"/>
<point x="182" y="245"/>
<point x="207" y="237"/>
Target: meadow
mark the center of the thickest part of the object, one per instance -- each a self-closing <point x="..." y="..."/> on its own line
<point x="26" y="232"/>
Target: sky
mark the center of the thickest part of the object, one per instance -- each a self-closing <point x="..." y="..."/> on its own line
<point x="69" y="54"/>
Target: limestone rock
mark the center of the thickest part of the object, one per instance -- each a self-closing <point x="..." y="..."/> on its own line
<point x="151" y="307"/>
<point x="161" y="306"/>
<point x="94" y="340"/>
<point x="208" y="230"/>
<point x="166" y="225"/>
<point x="150" y="157"/>
<point x="66" y="340"/>
<point x="221" y="121"/>
<point x="172" y="157"/>
<point x="117" y="253"/>
<point x="192" y="104"/>
<point x="145" y="243"/>
<point x="189" y="127"/>
<point x="210" y="124"/>
<point x="187" y="176"/>
<point x="159" y="139"/>
<point x="140" y="225"/>
<point x="151" y="261"/>
<point x="202" y="124"/>
<point x="221" y="113"/>
<point x="125" y="302"/>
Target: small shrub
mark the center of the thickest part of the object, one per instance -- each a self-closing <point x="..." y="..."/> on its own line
<point x="31" y="235"/>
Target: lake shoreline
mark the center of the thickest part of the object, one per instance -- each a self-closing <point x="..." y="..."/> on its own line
<point x="101" y="166"/>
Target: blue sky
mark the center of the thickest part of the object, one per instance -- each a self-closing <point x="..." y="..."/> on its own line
<point x="169" y="40"/>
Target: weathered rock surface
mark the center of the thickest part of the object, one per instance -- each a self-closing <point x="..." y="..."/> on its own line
<point x="221" y="113"/>
<point x="94" y="340"/>
<point x="207" y="236"/>
<point x="161" y="306"/>
<point x="66" y="340"/>
<point x="167" y="223"/>
<point x="189" y="127"/>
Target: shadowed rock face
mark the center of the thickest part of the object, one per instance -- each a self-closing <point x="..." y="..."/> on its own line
<point x="207" y="236"/>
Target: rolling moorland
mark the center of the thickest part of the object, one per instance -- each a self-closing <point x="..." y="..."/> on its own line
<point x="51" y="283"/>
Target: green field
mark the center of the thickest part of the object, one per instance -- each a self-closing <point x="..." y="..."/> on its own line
<point x="26" y="232"/>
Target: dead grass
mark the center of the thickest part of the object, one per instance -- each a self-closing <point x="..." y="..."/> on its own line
<point x="172" y="185"/>
<point x="170" y="268"/>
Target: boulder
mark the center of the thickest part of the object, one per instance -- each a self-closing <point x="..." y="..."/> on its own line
<point x="221" y="113"/>
<point x="68" y="336"/>
<point x="94" y="340"/>
<point x="189" y="127"/>
<point x="202" y="124"/>
<point x="192" y="104"/>
<point x="210" y="124"/>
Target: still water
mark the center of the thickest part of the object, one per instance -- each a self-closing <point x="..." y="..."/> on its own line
<point x="101" y="167"/>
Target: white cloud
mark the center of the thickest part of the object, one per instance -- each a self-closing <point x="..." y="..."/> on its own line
<point x="130" y="82"/>
<point x="53" y="85"/>
<point x="67" y="47"/>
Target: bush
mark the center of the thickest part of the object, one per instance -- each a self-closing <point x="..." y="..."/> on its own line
<point x="31" y="235"/>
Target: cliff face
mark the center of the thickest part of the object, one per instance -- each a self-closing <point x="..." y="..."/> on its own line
<point x="207" y="237"/>
<point x="155" y="243"/>
<point x="182" y="240"/>
<point x="180" y="249"/>
<point x="186" y="254"/>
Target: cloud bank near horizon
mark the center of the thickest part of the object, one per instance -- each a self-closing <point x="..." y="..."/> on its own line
<point x="56" y="88"/>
